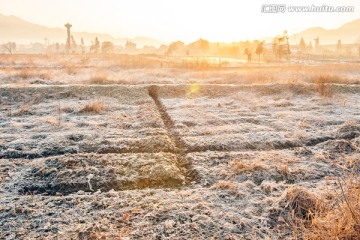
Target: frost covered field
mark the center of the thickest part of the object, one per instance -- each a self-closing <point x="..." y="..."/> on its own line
<point x="137" y="147"/>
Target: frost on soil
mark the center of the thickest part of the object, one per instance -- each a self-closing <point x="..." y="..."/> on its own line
<point x="121" y="171"/>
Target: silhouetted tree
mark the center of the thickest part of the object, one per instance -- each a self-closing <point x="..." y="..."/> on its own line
<point x="286" y="38"/>
<point x="278" y="47"/>
<point x="248" y="53"/>
<point x="97" y="43"/>
<point x="259" y="49"/>
<point x="174" y="46"/>
<point x="302" y="45"/>
<point x="107" y="47"/>
<point x="339" y="46"/>
<point x="317" y="43"/>
<point x="309" y="47"/>
<point x="200" y="46"/>
<point x="10" y="47"/>
<point x="96" y="46"/>
<point x="204" y="45"/>
<point x="281" y="46"/>
<point x="130" y="46"/>
<point x="82" y="46"/>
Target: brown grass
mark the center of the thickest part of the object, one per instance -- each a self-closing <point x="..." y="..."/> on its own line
<point x="284" y="170"/>
<point x="24" y="74"/>
<point x="52" y="121"/>
<point x="224" y="185"/>
<point x="343" y="220"/>
<point x="228" y="186"/>
<point x="238" y="167"/>
<point x="322" y="85"/>
<point x="23" y="110"/>
<point x="200" y="69"/>
<point x="304" y="123"/>
<point x="302" y="204"/>
<point x="315" y="218"/>
<point x="70" y="69"/>
<point x="94" y="107"/>
<point x="100" y="78"/>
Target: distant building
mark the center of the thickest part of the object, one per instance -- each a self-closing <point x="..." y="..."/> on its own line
<point x="130" y="46"/>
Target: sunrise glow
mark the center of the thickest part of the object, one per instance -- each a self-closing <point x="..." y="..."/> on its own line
<point x="186" y="20"/>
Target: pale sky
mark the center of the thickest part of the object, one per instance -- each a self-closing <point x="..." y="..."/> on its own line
<point x="186" y="20"/>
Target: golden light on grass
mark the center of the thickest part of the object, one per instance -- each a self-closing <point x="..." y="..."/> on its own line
<point x="94" y="107"/>
<point x="194" y="90"/>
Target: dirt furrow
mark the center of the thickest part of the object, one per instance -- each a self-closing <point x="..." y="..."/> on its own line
<point x="181" y="149"/>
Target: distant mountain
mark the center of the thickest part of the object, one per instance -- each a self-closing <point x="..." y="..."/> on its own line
<point x="17" y="30"/>
<point x="348" y="33"/>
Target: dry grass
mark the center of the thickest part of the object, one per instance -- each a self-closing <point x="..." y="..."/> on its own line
<point x="38" y="98"/>
<point x="238" y="167"/>
<point x="224" y="185"/>
<point x="94" y="107"/>
<point x="304" y="123"/>
<point x="337" y="78"/>
<point x="322" y="85"/>
<point x="51" y="121"/>
<point x="343" y="220"/>
<point x="45" y="75"/>
<point x="200" y="69"/>
<point x="338" y="219"/>
<point x="303" y="205"/>
<point x="70" y="69"/>
<point x="16" y="74"/>
<point x="25" y="74"/>
<point x="231" y="187"/>
<point x="299" y="135"/>
<point x="100" y="78"/>
<point x="284" y="170"/>
<point x="67" y="109"/>
<point x="283" y="104"/>
<point x="23" y="110"/>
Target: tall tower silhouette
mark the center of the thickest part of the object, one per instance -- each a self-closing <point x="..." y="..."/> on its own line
<point x="68" y="40"/>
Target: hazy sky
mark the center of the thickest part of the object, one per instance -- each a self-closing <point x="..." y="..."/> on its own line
<point x="186" y="20"/>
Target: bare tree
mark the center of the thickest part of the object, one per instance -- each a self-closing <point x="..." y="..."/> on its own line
<point x="339" y="46"/>
<point x="317" y="43"/>
<point x="281" y="46"/>
<point x="107" y="47"/>
<point x="248" y="53"/>
<point x="96" y="46"/>
<point x="82" y="46"/>
<point x="175" y="46"/>
<point x="10" y="47"/>
<point x="309" y="47"/>
<point x="286" y="39"/>
<point x="302" y="45"/>
<point x="259" y="49"/>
